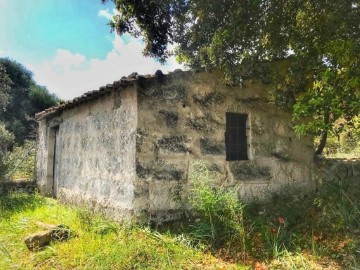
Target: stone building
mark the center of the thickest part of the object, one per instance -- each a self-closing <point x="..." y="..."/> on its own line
<point x="126" y="148"/>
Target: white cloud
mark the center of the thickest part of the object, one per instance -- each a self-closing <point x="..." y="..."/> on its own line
<point x="105" y="13"/>
<point x="69" y="75"/>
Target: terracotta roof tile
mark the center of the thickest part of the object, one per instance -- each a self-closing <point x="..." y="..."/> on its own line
<point x="124" y="81"/>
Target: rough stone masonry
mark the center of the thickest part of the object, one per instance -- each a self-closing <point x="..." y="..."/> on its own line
<point x="126" y="148"/>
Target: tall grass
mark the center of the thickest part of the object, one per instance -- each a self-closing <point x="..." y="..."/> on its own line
<point x="314" y="231"/>
<point x="340" y="204"/>
<point x="97" y="242"/>
<point x="221" y="213"/>
<point x="286" y="233"/>
<point x="21" y="161"/>
<point x="321" y="228"/>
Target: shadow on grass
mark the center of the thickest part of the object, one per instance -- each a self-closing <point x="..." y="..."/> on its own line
<point x="15" y="202"/>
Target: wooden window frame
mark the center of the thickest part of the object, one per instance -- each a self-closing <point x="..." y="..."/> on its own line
<point x="236" y="139"/>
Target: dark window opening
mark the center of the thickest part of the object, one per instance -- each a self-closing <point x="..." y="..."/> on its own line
<point x="235" y="136"/>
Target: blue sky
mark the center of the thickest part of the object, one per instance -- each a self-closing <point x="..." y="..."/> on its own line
<point x="68" y="46"/>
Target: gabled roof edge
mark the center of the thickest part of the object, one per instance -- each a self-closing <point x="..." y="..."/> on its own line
<point x="90" y="95"/>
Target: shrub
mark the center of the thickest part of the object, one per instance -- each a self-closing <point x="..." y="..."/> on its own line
<point x="345" y="142"/>
<point x="21" y="161"/>
<point x="340" y="205"/>
<point x="220" y="211"/>
<point x="6" y="140"/>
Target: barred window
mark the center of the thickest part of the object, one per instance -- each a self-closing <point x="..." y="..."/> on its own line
<point x="236" y="137"/>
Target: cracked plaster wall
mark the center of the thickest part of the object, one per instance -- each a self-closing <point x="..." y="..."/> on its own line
<point x="182" y="119"/>
<point x="128" y="153"/>
<point x="96" y="153"/>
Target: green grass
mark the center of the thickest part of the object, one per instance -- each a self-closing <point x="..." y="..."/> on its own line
<point x="96" y="243"/>
<point x="317" y="231"/>
<point x="293" y="231"/>
<point x="308" y="232"/>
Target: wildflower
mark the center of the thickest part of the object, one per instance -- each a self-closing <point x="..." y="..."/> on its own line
<point x="273" y="230"/>
<point x="260" y="266"/>
<point x="281" y="220"/>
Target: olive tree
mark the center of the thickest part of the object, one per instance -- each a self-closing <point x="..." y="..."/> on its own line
<point x="320" y="40"/>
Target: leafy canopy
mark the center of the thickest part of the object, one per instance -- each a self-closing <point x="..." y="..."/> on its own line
<point x="20" y="99"/>
<point x="319" y="37"/>
<point x="5" y="86"/>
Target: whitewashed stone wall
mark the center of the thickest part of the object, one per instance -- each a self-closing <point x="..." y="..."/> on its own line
<point x="182" y="119"/>
<point x="128" y="152"/>
<point x="96" y="153"/>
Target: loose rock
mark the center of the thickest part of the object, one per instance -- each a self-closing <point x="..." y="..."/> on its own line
<point x="39" y="240"/>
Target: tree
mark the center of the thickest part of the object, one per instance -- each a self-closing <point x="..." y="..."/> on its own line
<point x="5" y="86"/>
<point x="319" y="38"/>
<point x="40" y="99"/>
<point x="24" y="99"/>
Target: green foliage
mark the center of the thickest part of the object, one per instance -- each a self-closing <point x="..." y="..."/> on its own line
<point x="21" y="161"/>
<point x="5" y="86"/>
<point x="98" y="243"/>
<point x="344" y="141"/>
<point x="222" y="220"/>
<point x="333" y="97"/>
<point x="25" y="98"/>
<point x="41" y="99"/>
<point x="340" y="207"/>
<point x="6" y="140"/>
<point x="320" y="40"/>
<point x="323" y="225"/>
<point x="150" y="19"/>
<point x="291" y="232"/>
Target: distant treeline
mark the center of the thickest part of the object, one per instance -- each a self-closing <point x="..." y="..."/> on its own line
<point x="20" y="98"/>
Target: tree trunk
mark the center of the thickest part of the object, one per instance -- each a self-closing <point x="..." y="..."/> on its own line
<point x="322" y="144"/>
<point x="324" y="135"/>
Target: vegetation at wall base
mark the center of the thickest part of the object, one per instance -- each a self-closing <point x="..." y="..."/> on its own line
<point x="317" y="231"/>
<point x="97" y="243"/>
<point x="221" y="214"/>
<point x="292" y="231"/>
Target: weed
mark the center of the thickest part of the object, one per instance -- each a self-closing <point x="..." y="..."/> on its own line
<point x="104" y="227"/>
<point x="340" y="204"/>
<point x="100" y="243"/>
<point x="222" y="214"/>
<point x="297" y="261"/>
<point x="86" y="218"/>
<point x="4" y="250"/>
<point x="317" y="231"/>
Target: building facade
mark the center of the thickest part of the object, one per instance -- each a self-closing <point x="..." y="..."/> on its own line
<point x="128" y="147"/>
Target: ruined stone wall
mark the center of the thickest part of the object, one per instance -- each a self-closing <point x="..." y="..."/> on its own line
<point x="96" y="153"/>
<point x="337" y="170"/>
<point x="181" y="118"/>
